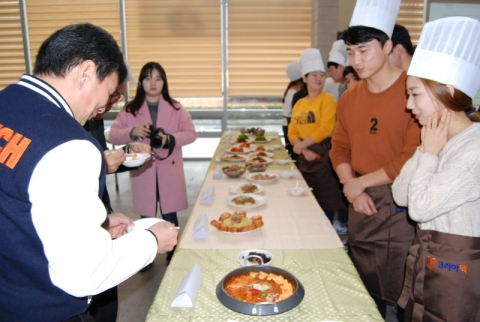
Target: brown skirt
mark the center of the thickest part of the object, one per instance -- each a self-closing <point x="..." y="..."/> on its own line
<point x="378" y="244"/>
<point x="321" y="177"/>
<point x="442" y="282"/>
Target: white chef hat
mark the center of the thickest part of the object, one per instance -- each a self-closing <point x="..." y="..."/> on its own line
<point x="311" y="60"/>
<point x="448" y="52"/>
<point x="338" y="54"/>
<point x="294" y="70"/>
<point x="378" y="14"/>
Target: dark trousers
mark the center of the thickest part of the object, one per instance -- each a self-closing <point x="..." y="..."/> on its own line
<point x="104" y="306"/>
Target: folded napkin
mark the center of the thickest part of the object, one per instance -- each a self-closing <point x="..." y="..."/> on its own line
<point x="188" y="290"/>
<point x="200" y="228"/>
<point x="207" y="195"/>
<point x="217" y="174"/>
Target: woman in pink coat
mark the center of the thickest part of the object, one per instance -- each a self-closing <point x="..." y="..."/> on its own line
<point x="157" y="181"/>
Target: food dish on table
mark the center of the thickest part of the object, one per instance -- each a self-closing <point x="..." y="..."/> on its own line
<point x="256" y="287"/>
<point x="252" y="257"/>
<point x="234" y="157"/>
<point x="242" y="138"/>
<point x="256" y="167"/>
<point x="261" y="139"/>
<point x="246" y="188"/>
<point x="259" y="160"/>
<point x="234" y="171"/>
<point x="260" y="148"/>
<point x="246" y="200"/>
<point x="264" y="177"/>
<point x="261" y="154"/>
<point x="238" y="149"/>
<point x="237" y="222"/>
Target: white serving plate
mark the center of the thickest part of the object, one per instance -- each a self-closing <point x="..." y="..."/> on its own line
<point x="259" y="200"/>
<point x="254" y="146"/>
<point x="237" y="190"/>
<point x="245" y="150"/>
<point x="226" y="157"/>
<point x="251" y="175"/>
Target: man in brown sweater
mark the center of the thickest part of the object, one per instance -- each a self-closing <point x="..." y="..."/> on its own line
<point x="375" y="135"/>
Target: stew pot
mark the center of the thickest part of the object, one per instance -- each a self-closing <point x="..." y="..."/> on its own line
<point x="264" y="308"/>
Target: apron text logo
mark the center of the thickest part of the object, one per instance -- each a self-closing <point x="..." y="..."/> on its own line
<point x="432" y="263"/>
<point x="16" y="145"/>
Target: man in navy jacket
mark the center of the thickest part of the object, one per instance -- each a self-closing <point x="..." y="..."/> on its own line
<point x="54" y="252"/>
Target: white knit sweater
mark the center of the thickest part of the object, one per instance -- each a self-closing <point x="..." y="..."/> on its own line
<point x="443" y="193"/>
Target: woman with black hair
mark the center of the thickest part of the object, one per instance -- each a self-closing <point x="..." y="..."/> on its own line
<point x="161" y="181"/>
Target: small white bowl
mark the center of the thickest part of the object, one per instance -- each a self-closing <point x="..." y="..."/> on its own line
<point x="283" y="161"/>
<point x="286" y="175"/>
<point x="296" y="191"/>
<point x="140" y="159"/>
<point x="275" y="146"/>
<point x="244" y="261"/>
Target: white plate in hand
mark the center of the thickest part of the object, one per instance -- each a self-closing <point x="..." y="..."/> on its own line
<point x="144" y="223"/>
<point x="135" y="159"/>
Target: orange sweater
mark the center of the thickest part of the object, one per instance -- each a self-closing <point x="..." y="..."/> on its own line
<point x="375" y="130"/>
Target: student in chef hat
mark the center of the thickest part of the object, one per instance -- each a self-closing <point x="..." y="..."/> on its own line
<point x="337" y="60"/>
<point x="440" y="182"/>
<point x="374" y="137"/>
<point x="312" y="124"/>
<point x="294" y="73"/>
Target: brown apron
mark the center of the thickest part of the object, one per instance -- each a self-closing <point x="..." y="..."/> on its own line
<point x="442" y="281"/>
<point x="320" y="176"/>
<point x="378" y="244"/>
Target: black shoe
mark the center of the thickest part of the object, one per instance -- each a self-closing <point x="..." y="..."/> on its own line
<point x="146" y="268"/>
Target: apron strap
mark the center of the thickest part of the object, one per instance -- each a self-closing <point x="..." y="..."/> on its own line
<point x="407" y="286"/>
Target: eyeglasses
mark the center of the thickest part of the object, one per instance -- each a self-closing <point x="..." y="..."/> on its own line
<point x="115" y="97"/>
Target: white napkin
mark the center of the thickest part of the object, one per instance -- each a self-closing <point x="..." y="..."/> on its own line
<point x="188" y="290"/>
<point x="217" y="174"/>
<point x="200" y="228"/>
<point x="207" y="195"/>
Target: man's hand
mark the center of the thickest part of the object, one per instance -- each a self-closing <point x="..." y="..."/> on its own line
<point x="166" y="235"/>
<point x="116" y="224"/>
<point x="113" y="159"/>
<point x="352" y="188"/>
<point x="364" y="204"/>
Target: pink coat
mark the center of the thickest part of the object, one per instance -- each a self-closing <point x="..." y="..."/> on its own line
<point x="169" y="172"/>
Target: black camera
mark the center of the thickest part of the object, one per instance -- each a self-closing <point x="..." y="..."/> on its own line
<point x="156" y="141"/>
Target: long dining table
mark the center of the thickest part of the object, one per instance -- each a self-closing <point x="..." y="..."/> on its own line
<point x="296" y="232"/>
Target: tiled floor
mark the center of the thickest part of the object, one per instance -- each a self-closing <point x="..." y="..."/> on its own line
<point x="136" y="294"/>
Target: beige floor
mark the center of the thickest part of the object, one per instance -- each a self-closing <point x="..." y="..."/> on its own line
<point x="136" y="294"/>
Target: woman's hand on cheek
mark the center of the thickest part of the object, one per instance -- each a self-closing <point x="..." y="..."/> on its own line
<point x="435" y="133"/>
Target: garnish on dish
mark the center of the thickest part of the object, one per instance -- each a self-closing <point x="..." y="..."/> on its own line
<point x="249" y="188"/>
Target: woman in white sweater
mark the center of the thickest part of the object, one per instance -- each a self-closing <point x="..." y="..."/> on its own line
<point x="440" y="184"/>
